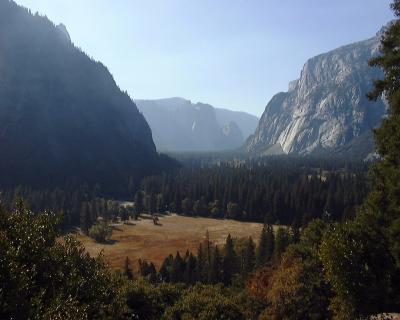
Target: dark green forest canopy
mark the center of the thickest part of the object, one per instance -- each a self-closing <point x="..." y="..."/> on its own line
<point x="276" y="189"/>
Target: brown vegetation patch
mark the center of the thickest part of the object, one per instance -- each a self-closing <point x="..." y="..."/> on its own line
<point x="144" y="240"/>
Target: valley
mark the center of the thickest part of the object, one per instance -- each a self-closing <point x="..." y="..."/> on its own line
<point x="141" y="239"/>
<point x="121" y="200"/>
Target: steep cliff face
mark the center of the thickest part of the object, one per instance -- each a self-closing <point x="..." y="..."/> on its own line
<point x="326" y="108"/>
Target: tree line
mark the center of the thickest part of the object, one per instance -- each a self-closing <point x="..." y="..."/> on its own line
<point x="230" y="264"/>
<point x="277" y="190"/>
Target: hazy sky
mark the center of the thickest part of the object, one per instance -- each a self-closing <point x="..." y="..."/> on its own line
<point x="229" y="53"/>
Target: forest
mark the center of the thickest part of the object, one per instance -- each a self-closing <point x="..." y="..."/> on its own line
<point x="279" y="190"/>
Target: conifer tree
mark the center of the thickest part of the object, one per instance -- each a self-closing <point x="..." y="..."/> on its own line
<point x="190" y="270"/>
<point x="165" y="270"/>
<point x="229" y="262"/>
<point x="262" y="255"/>
<point x="178" y="268"/>
<point x="249" y="259"/>
<point x="281" y="242"/>
<point x="215" y="267"/>
<point x="201" y="267"/>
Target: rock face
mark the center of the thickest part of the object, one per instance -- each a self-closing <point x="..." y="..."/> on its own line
<point x="326" y="108"/>
<point x="179" y="125"/>
<point x="62" y="116"/>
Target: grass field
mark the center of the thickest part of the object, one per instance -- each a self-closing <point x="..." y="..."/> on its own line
<point x="175" y="233"/>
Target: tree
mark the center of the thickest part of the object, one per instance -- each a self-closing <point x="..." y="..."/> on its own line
<point x="178" y="268"/>
<point x="294" y="287"/>
<point x="215" y="267"/>
<point x="362" y="257"/>
<point x="201" y="268"/>
<point x="384" y="197"/>
<point x="282" y="240"/>
<point x="101" y="231"/>
<point x="187" y="206"/>
<point x="166" y="269"/>
<point x="204" y="303"/>
<point x="56" y="269"/>
<point x="229" y="262"/>
<point x="232" y="210"/>
<point x="249" y="257"/>
<point x="127" y="269"/>
<point x="189" y="276"/>
<point x="139" y="203"/>
<point x="266" y="245"/>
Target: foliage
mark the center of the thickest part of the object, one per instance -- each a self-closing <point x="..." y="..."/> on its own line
<point x="361" y="257"/>
<point x="278" y="190"/>
<point x="101" y="231"/>
<point x="204" y="303"/>
<point x="294" y="287"/>
<point x="42" y="276"/>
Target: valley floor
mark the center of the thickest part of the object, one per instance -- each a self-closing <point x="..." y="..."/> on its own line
<point x="143" y="240"/>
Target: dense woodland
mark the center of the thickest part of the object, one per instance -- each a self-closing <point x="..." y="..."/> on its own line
<point x="281" y="190"/>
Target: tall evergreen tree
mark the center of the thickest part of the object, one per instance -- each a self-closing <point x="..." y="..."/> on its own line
<point x="372" y="239"/>
<point x="201" y="267"/>
<point x="262" y="255"/>
<point x="249" y="259"/>
<point x="189" y="276"/>
<point x="178" y="268"/>
<point x="229" y="262"/>
<point x="282" y="240"/>
<point x="215" y="267"/>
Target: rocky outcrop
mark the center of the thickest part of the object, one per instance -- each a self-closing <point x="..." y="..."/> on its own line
<point x="327" y="107"/>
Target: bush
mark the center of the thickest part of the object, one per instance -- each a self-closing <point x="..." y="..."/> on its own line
<point x="100" y="232"/>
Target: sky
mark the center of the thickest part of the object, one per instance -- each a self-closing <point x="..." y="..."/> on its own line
<point x="235" y="54"/>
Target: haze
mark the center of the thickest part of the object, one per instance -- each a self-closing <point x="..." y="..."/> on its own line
<point x="234" y="54"/>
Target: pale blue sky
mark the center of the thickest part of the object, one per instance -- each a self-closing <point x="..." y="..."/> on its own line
<point x="229" y="53"/>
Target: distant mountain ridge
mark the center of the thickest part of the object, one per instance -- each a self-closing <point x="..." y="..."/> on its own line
<point x="179" y="125"/>
<point x="326" y="109"/>
<point x="62" y="116"/>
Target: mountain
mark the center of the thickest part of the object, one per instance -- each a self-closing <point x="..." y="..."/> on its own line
<point x="180" y="125"/>
<point x="326" y="109"/>
<point x="246" y="122"/>
<point x="62" y="116"/>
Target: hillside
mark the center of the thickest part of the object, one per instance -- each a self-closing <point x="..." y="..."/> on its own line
<point x="62" y="116"/>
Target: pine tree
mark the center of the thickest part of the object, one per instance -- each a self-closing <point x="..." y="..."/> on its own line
<point x="178" y="268"/>
<point x="201" y="268"/>
<point x="262" y="256"/>
<point x="281" y="242"/>
<point x="190" y="270"/>
<point x="215" y="267"/>
<point x="139" y="203"/>
<point x="372" y="239"/>
<point x="166" y="268"/>
<point x="249" y="261"/>
<point x="229" y="262"/>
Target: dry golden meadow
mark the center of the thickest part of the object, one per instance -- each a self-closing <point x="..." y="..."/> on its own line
<point x="144" y="240"/>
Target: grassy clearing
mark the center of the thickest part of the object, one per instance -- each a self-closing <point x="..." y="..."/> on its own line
<point x="143" y="240"/>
